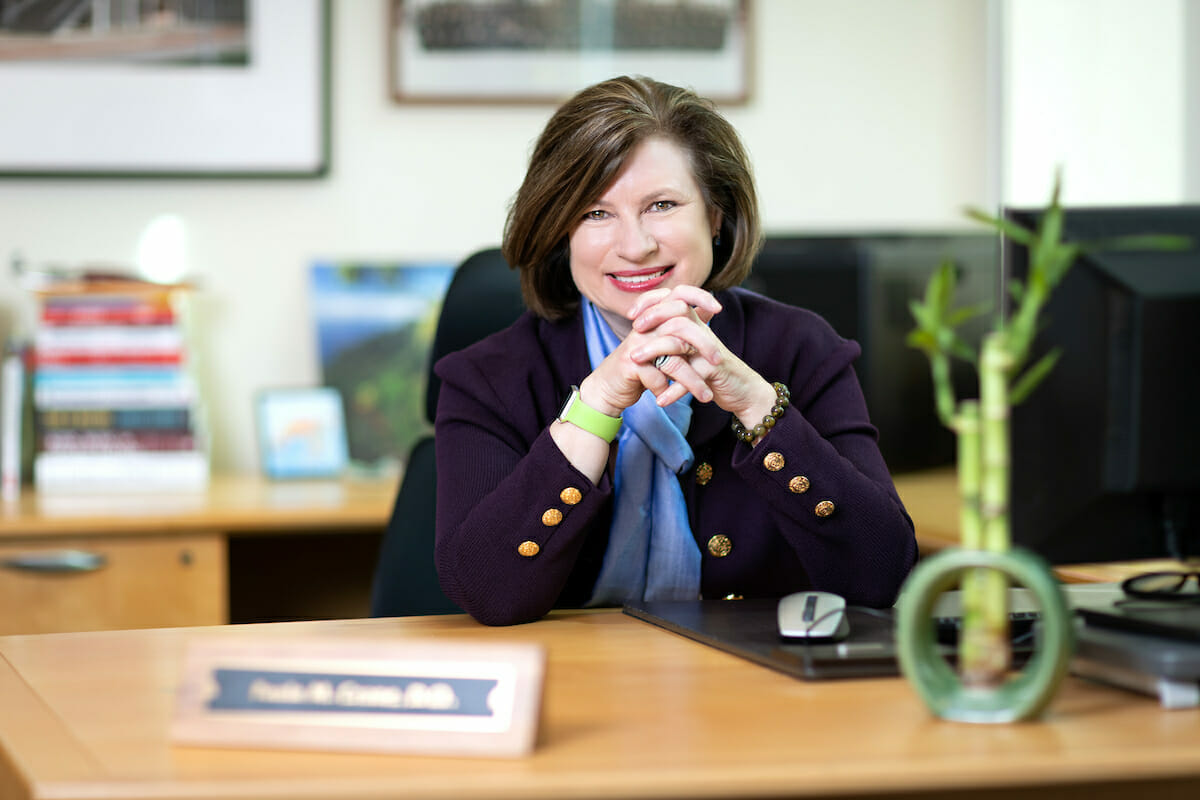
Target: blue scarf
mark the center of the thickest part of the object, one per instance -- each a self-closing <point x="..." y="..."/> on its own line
<point x="651" y="554"/>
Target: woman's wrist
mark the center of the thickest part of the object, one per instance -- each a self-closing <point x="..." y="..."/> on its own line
<point x="763" y="401"/>
<point x="595" y="400"/>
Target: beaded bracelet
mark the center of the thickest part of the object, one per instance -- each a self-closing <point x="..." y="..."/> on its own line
<point x="782" y="400"/>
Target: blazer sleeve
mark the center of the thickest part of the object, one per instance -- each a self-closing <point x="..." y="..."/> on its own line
<point x="820" y="472"/>
<point x="512" y="512"/>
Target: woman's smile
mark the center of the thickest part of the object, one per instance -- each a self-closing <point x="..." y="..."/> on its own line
<point x="640" y="280"/>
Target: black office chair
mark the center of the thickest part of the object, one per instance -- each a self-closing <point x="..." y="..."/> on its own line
<point x="484" y="296"/>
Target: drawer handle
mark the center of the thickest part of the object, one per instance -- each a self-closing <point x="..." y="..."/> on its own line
<point x="56" y="561"/>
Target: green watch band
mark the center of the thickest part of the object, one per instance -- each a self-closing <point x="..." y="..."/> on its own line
<point x="581" y="415"/>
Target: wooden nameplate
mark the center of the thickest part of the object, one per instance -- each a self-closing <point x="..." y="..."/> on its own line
<point x="426" y="697"/>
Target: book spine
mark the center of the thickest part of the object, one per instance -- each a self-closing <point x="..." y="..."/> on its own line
<point x="129" y="395"/>
<point x="134" y="470"/>
<point x="117" y="419"/>
<point x="12" y="385"/>
<point x="141" y="308"/>
<point x="106" y="315"/>
<point x="84" y="358"/>
<point x="108" y="441"/>
<point x="109" y="338"/>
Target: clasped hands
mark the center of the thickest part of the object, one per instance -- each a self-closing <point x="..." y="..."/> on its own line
<point x="674" y="323"/>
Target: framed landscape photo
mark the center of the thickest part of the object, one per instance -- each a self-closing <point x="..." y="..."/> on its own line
<point x="535" y="51"/>
<point x="238" y="88"/>
<point x="375" y="323"/>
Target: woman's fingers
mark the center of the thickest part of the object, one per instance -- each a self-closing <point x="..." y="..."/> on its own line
<point x="654" y="308"/>
<point x="674" y="378"/>
<point x="681" y="337"/>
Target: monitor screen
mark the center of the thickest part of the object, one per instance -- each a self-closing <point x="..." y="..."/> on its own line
<point x="1106" y="451"/>
<point x="861" y="283"/>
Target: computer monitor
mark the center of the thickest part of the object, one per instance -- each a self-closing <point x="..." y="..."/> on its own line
<point x="1106" y="451"/>
<point x="861" y="283"/>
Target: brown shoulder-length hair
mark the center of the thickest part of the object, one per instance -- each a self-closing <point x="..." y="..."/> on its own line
<point x="582" y="151"/>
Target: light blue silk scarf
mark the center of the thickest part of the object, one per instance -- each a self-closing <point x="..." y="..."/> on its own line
<point x="651" y="554"/>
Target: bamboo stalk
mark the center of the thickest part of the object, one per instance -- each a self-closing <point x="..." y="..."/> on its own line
<point x="989" y="658"/>
<point x="972" y="647"/>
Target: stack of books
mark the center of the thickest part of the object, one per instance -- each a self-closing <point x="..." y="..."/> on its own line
<point x="115" y="403"/>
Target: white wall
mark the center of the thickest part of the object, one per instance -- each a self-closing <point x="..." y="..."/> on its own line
<point x="865" y="114"/>
<point x="1100" y="88"/>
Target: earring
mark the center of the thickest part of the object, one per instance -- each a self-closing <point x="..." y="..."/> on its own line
<point x="717" y="240"/>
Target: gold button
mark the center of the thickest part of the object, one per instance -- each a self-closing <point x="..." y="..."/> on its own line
<point x="551" y="517"/>
<point x="799" y="484"/>
<point x="704" y="473"/>
<point x="570" y="495"/>
<point x="528" y="549"/>
<point x="773" y="461"/>
<point x="824" y="508"/>
<point x="720" y="545"/>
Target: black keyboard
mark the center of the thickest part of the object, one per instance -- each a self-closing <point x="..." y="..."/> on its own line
<point x="1020" y="624"/>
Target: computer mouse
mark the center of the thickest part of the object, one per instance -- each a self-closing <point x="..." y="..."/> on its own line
<point x="813" y="616"/>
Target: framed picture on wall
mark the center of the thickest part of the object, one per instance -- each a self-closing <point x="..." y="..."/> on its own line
<point x="107" y="89"/>
<point x="518" y="51"/>
<point x="374" y="324"/>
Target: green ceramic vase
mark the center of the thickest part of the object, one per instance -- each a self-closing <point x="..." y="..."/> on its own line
<point x="1027" y="693"/>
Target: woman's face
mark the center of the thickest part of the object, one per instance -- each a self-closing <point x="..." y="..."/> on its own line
<point x="649" y="230"/>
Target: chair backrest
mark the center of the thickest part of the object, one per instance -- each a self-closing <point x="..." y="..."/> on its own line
<point x="484" y="296"/>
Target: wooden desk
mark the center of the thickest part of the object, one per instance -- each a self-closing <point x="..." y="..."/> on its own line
<point x="931" y="498"/>
<point x="174" y="558"/>
<point x="630" y="711"/>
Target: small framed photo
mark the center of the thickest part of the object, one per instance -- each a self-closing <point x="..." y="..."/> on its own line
<point x="302" y="432"/>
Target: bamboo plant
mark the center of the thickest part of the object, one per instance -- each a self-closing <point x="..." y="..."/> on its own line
<point x="1006" y="377"/>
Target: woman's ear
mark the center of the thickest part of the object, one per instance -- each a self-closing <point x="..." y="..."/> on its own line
<point x="716" y="217"/>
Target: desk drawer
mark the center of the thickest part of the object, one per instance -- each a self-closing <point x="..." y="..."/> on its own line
<point x="111" y="583"/>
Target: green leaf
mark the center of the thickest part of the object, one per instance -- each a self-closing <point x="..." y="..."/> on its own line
<point x="1016" y="290"/>
<point x="1015" y="231"/>
<point x="940" y="292"/>
<point x="1029" y="380"/>
<point x="960" y="349"/>
<point x="925" y="318"/>
<point x="966" y="314"/>
<point x="1058" y="262"/>
<point x="921" y="340"/>
<point x="1048" y="239"/>
<point x="1149" y="241"/>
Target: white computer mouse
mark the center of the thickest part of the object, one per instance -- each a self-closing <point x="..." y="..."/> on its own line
<point x="813" y="616"/>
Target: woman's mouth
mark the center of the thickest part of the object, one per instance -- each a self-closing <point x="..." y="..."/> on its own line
<point x="639" y="281"/>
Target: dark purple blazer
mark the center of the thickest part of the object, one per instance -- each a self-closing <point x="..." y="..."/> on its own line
<point x="521" y="531"/>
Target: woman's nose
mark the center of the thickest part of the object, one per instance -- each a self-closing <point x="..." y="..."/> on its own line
<point x="634" y="240"/>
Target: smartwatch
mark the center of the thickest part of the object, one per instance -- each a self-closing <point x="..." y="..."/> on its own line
<point x="581" y="415"/>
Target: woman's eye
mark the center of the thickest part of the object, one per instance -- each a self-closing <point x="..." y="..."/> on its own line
<point x="594" y="214"/>
<point x="662" y="205"/>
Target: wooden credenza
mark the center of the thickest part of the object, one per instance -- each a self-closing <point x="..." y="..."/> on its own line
<point x="252" y="550"/>
<point x="244" y="550"/>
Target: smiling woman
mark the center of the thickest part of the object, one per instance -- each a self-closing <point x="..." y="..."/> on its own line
<point x="647" y="431"/>
<point x="651" y="229"/>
